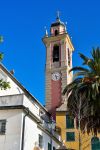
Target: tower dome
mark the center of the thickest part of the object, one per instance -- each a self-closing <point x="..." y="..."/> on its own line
<point x="58" y="27"/>
<point x="57" y="23"/>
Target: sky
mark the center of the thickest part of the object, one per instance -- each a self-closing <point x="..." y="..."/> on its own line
<point x="22" y="25"/>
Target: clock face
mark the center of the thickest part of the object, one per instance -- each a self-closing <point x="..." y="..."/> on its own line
<point x="56" y="76"/>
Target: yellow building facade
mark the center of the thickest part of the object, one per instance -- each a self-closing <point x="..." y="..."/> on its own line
<point x="70" y="135"/>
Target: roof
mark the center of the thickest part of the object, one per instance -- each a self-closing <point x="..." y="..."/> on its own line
<point x="63" y="107"/>
<point x="57" y="23"/>
<point x="28" y="94"/>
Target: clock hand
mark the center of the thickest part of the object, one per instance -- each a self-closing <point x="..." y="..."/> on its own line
<point x="56" y="76"/>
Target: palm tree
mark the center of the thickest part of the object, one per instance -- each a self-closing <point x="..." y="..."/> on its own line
<point x="85" y="88"/>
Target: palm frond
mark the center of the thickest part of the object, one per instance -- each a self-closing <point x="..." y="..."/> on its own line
<point x="96" y="53"/>
<point x="71" y="86"/>
<point x="81" y="73"/>
<point x="78" y="69"/>
<point x="85" y="59"/>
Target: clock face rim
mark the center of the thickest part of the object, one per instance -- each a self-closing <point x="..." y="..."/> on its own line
<point x="56" y="76"/>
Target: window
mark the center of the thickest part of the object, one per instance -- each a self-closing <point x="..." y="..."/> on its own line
<point x="69" y="122"/>
<point x="40" y="141"/>
<point x="70" y="136"/>
<point x="95" y="143"/>
<point x="56" y="32"/>
<point x="49" y="146"/>
<point x="2" y="126"/>
<point x="56" y="53"/>
<point x="54" y="148"/>
<point x="69" y="57"/>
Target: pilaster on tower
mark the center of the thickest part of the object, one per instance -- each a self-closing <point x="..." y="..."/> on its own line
<point x="59" y="50"/>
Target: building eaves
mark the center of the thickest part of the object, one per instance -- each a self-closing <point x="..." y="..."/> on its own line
<point x="27" y="93"/>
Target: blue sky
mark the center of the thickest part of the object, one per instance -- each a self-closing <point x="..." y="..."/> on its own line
<point x="22" y="25"/>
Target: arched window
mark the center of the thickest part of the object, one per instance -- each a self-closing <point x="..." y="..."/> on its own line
<point x="56" y="53"/>
<point x="56" y="32"/>
<point x="95" y="143"/>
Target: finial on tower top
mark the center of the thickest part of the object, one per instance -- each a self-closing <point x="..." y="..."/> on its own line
<point x="46" y="32"/>
<point x="58" y="16"/>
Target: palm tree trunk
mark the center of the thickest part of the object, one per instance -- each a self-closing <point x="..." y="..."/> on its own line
<point x="79" y="123"/>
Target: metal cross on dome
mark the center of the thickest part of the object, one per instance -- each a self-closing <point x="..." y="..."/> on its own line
<point x="58" y="14"/>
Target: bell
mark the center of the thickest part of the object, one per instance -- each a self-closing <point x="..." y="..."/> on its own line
<point x="56" y="56"/>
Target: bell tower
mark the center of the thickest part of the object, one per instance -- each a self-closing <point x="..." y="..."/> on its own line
<point x="59" y="50"/>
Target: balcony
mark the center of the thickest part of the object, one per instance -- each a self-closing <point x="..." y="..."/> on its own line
<point x="51" y="130"/>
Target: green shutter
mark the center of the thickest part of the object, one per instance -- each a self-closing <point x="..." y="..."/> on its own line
<point x="95" y="143"/>
<point x="69" y="122"/>
<point x="70" y="136"/>
<point x="49" y="146"/>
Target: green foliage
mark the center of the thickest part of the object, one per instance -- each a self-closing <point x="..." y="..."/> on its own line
<point x="1" y="56"/>
<point x="1" y="39"/>
<point x="86" y="86"/>
<point x="4" y="85"/>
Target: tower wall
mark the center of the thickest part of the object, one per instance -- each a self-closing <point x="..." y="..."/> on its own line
<point x="57" y="69"/>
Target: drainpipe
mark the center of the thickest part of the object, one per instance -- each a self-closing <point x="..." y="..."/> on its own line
<point x="23" y="129"/>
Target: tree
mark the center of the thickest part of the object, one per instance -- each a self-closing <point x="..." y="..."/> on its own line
<point x="82" y="137"/>
<point x="86" y="88"/>
<point x="3" y="84"/>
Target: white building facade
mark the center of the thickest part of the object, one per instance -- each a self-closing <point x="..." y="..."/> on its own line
<point x="24" y="123"/>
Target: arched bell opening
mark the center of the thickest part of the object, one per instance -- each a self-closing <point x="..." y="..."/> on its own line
<point x="56" y="32"/>
<point x="56" y="53"/>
